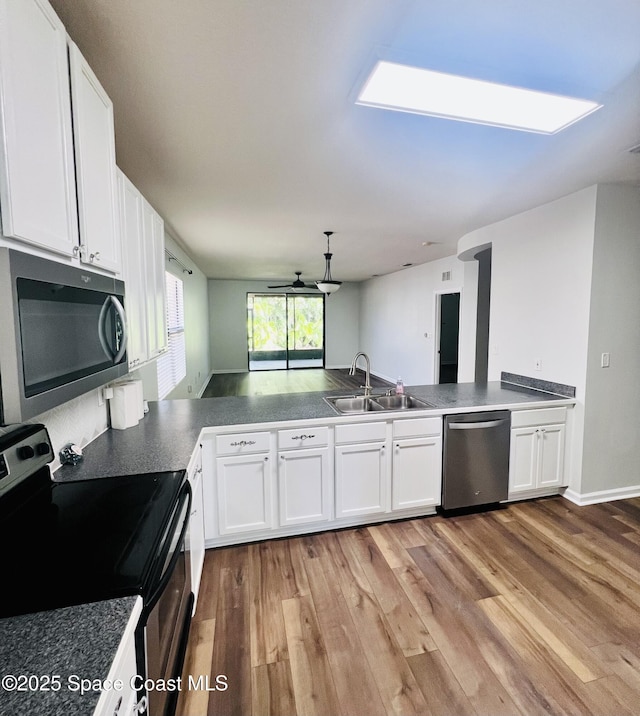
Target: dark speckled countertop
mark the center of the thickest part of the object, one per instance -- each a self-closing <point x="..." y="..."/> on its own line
<point x="165" y="438"/>
<point x="73" y="642"/>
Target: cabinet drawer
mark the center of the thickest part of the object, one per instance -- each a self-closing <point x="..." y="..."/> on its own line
<point x="544" y="416"/>
<point x="361" y="432"/>
<point x="417" y="427"/>
<point x="303" y="438"/>
<point x="242" y="443"/>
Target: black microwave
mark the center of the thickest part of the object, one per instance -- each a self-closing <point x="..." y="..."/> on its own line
<point x="63" y="332"/>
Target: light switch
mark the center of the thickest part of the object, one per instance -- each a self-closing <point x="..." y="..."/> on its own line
<point x="605" y="360"/>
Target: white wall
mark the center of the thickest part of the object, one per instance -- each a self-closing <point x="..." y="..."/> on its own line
<point x="196" y="322"/>
<point x="540" y="297"/>
<point x="540" y="290"/>
<point x="468" y="320"/>
<point x="228" y="323"/>
<point x="79" y="421"/>
<point x="612" y="410"/>
<point x="396" y="311"/>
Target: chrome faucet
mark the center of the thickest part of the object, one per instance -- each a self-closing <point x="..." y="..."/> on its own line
<point x="352" y="371"/>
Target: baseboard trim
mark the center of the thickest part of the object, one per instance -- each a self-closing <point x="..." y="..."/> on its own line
<point x="230" y="370"/>
<point x="203" y="387"/>
<point x="594" y="498"/>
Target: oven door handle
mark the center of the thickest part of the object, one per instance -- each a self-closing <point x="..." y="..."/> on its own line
<point x="166" y="575"/>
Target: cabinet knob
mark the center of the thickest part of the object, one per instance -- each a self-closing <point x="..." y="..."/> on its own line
<point x="94" y="257"/>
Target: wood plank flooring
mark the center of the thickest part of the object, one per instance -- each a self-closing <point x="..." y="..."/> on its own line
<point x="301" y="380"/>
<point x="532" y="609"/>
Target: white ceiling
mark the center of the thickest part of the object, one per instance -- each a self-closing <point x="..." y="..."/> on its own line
<point x="236" y="119"/>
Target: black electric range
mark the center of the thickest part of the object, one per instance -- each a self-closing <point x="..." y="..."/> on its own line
<point x="76" y="542"/>
<point x="70" y="543"/>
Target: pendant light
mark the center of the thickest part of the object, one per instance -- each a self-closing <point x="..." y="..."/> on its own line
<point x="328" y="285"/>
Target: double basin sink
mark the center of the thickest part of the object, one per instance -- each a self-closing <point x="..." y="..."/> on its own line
<point x="349" y="404"/>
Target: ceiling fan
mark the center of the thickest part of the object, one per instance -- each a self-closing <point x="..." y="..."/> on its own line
<point x="298" y="284"/>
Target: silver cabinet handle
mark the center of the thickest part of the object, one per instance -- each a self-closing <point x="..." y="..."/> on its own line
<point x="302" y="437"/>
<point x="243" y="443"/>
<point x="94" y="257"/>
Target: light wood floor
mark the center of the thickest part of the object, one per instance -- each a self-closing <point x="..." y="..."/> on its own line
<point x="533" y="609"/>
<point x="301" y="380"/>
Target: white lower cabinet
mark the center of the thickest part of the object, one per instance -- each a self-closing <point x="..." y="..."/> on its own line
<point x="416" y="470"/>
<point x="244" y="493"/>
<point x="277" y="480"/>
<point x="536" y="461"/>
<point x="416" y="465"/>
<point x="195" y="535"/>
<point x="124" y="701"/>
<point x="303" y="486"/>
<point x="361" y="470"/>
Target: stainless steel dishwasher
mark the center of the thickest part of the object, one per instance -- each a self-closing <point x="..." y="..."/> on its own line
<point x="476" y="459"/>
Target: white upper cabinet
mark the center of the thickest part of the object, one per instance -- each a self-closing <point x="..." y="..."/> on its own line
<point x="37" y="179"/>
<point x="153" y="233"/>
<point x="134" y="273"/>
<point x="58" y="188"/>
<point x="95" y="156"/>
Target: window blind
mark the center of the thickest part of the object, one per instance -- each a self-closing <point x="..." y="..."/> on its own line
<point x="172" y="365"/>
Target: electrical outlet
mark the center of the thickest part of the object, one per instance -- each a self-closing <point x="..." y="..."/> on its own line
<point x="605" y="360"/>
<point x="538" y="363"/>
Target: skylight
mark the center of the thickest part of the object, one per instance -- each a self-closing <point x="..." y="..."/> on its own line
<point x="403" y="88"/>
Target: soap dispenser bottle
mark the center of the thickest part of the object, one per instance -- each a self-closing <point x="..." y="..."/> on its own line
<point x="399" y="387"/>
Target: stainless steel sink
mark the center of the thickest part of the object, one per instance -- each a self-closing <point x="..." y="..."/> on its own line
<point x="401" y="402"/>
<point x="351" y="404"/>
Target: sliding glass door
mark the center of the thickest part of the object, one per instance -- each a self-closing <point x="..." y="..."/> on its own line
<point x="285" y="330"/>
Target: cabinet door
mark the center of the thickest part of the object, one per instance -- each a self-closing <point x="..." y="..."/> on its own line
<point x="94" y="143"/>
<point x="523" y="459"/>
<point x="303" y="486"/>
<point x="196" y="527"/>
<point x="416" y="473"/>
<point x="133" y="270"/>
<point x="551" y="461"/>
<point x="361" y="479"/>
<point x="244" y="493"/>
<point x="153" y="232"/>
<point x="37" y="176"/>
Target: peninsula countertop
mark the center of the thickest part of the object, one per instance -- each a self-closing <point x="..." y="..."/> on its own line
<point x="165" y="438"/>
<point x="71" y="644"/>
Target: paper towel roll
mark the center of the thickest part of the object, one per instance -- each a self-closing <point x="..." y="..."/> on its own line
<point x="125" y="405"/>
<point x="140" y="398"/>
